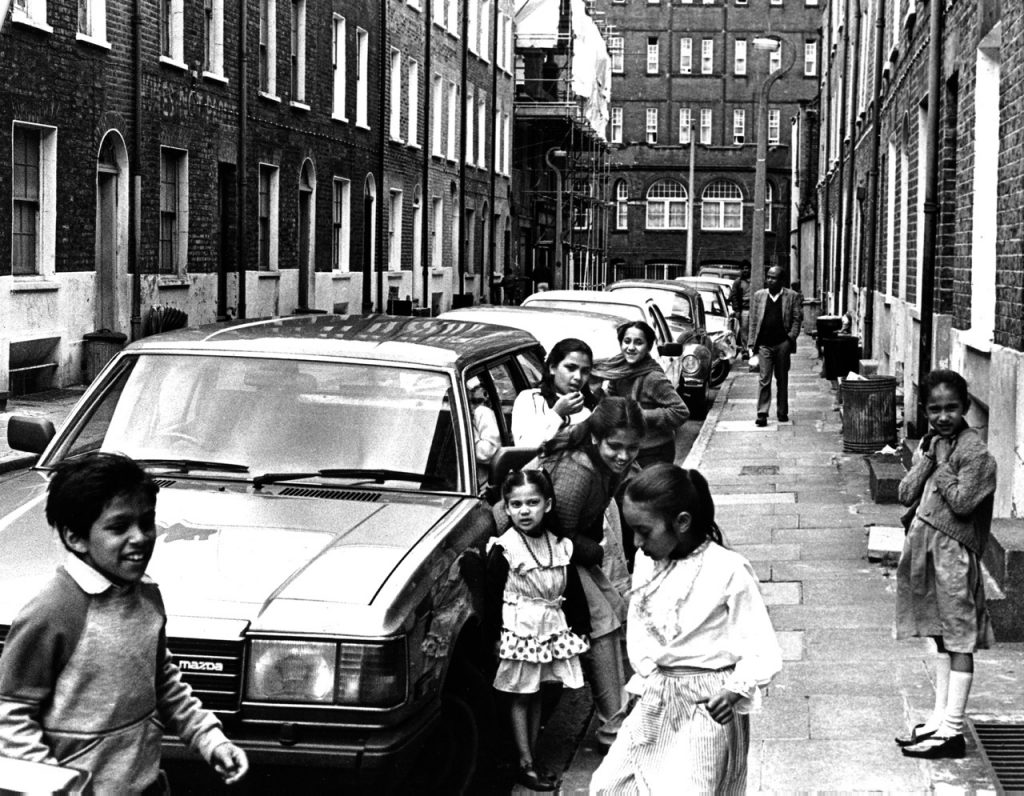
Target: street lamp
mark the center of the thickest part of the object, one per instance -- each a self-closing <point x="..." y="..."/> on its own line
<point x="556" y="266"/>
<point x="770" y="44"/>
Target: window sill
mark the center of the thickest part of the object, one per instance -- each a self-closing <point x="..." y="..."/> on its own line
<point x="394" y="273"/>
<point x="299" y="106"/>
<point x="101" y="44"/>
<point x="435" y="271"/>
<point x="269" y="97"/>
<point x="166" y="60"/>
<point x="343" y="119"/>
<point x="342" y="276"/>
<point x="977" y="341"/>
<point x="362" y="125"/>
<point x="172" y="282"/>
<point x="414" y="145"/>
<point x="215" y="78"/>
<point x="268" y="274"/>
<point x="19" y="18"/>
<point x="33" y="284"/>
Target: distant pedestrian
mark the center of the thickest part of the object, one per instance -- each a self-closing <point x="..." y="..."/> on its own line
<point x="541" y="277"/>
<point x="939" y="590"/>
<point x="85" y="678"/>
<point x="530" y="582"/>
<point x="775" y="316"/>
<point x="739" y="299"/>
<point x="636" y="374"/>
<point x="700" y="643"/>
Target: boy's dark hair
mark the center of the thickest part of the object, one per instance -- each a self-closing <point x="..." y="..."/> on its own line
<point x="83" y="486"/>
<point x="670" y="490"/>
<point x="536" y="478"/>
<point x="951" y="379"/>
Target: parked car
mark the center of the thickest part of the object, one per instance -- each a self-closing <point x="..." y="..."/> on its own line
<point x="723" y="325"/>
<point x="320" y="529"/>
<point x="725" y="270"/>
<point x="686" y="360"/>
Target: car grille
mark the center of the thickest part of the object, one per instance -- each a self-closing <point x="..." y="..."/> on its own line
<point x="212" y="668"/>
<point x="331" y="494"/>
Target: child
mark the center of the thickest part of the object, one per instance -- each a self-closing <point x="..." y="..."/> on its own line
<point x="85" y="677"/>
<point x="939" y="590"/>
<point x="528" y="569"/>
<point x="700" y="643"/>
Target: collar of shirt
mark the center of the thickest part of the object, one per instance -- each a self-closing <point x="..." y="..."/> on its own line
<point x="776" y="297"/>
<point x="89" y="579"/>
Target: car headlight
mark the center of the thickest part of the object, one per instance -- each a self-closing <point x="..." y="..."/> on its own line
<point x="690" y="365"/>
<point x="316" y="672"/>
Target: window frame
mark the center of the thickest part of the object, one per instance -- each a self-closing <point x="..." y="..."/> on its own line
<point x="675" y="194"/>
<point x="615" y="125"/>
<point x="44" y="201"/>
<point x="341" y="224"/>
<point x="174" y="262"/>
<point x="707" y="56"/>
<point x="651" y="125"/>
<point x="729" y="207"/>
<point x="339" y="86"/>
<point x="685" y="55"/>
<point x="267" y="216"/>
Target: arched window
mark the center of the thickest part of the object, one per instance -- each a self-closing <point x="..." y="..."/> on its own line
<point x="721" y="206"/>
<point x="621" y="205"/>
<point x="666" y="205"/>
<point x="768" y="207"/>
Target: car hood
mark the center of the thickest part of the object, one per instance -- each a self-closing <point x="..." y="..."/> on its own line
<point x="239" y="556"/>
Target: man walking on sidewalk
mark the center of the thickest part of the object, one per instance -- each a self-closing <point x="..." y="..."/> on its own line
<point x="775" y="314"/>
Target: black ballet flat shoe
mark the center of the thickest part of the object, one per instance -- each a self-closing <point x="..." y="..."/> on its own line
<point x="531" y="780"/>
<point x="937" y="747"/>
<point x="762" y="420"/>
<point x="914" y="737"/>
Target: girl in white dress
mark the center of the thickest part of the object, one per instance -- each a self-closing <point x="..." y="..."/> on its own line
<point x="528" y="570"/>
<point x="700" y="643"/>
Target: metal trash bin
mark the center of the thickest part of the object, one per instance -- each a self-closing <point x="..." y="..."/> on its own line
<point x="842" y="355"/>
<point x="869" y="414"/>
<point x="98" y="348"/>
<point x="826" y="326"/>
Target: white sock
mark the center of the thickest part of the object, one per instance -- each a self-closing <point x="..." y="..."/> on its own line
<point x="956" y="705"/>
<point x="942" y="669"/>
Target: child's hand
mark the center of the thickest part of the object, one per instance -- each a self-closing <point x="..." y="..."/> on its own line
<point x="720" y="706"/>
<point x="230" y="762"/>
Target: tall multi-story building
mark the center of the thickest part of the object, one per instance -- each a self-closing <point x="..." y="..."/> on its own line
<point x="692" y="82"/>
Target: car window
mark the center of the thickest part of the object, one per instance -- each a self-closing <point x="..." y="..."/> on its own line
<point x="489" y="419"/>
<point x="659" y="323"/>
<point x="532" y="366"/>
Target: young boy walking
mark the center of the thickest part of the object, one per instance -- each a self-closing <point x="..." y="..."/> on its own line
<point x="85" y="678"/>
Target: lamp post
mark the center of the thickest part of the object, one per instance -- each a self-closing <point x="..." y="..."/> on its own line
<point x="556" y="266"/>
<point x="771" y="44"/>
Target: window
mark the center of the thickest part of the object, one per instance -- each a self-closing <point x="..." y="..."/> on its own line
<point x="30" y="12"/>
<point x="172" y="37"/>
<point x="437" y="12"/>
<point x="767" y="207"/>
<point x="496" y="149"/>
<point x="739" y="65"/>
<point x="395" y="99"/>
<point x="92" y="20"/>
<point x="173" y="211"/>
<point x="705" y="126"/>
<point x="707" y="56"/>
<point x="739" y="125"/>
<point x="810" y="58"/>
<point x="298" y="51"/>
<point x="775" y="2"/>
<point x="341" y="209"/>
<point x="621" y="205"/>
<point x="470" y="105"/>
<point x="437" y="110"/>
<point x="412" y="111"/>
<point x="436" y="228"/>
<point x="721" y="206"/>
<point x="453" y="119"/>
<point x="485" y="29"/>
<point x="508" y="145"/>
<point x="470" y="242"/>
<point x="615" y="135"/>
<point x="395" y="231"/>
<point x="33" y="199"/>
<point x="652" y="125"/>
<point x="616" y="47"/>
<point x="774" y="123"/>
<point x="685" y="123"/>
<point x="452" y="16"/>
<point x="472" y="8"/>
<point x="652" y="56"/>
<point x="362" y="76"/>
<point x="417" y="230"/>
<point x="775" y="60"/>
<point x="685" y="56"/>
<point x="581" y="210"/>
<point x="338" y="50"/>
<point x="481" y="130"/>
<point x="666" y="205"/>
<point x="499" y="42"/>
<point x="268" y="204"/>
<point x="268" y="47"/>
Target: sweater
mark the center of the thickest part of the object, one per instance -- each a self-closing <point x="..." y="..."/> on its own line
<point x="86" y="680"/>
<point x="646" y="383"/>
<point x="953" y="489"/>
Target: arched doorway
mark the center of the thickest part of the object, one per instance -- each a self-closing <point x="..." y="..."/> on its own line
<point x="369" y="239"/>
<point x="111" y="249"/>
<point x="307" y="194"/>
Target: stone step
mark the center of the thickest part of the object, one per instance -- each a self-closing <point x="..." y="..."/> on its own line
<point x="885" y="471"/>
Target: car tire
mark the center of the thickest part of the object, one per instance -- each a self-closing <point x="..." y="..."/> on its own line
<point x="698" y="403"/>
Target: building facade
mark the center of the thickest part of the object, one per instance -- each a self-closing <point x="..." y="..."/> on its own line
<point x="692" y="82"/>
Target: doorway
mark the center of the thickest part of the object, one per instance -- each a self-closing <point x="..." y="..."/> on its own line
<point x="111" y="252"/>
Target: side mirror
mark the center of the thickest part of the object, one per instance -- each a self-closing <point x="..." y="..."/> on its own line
<point x="29" y="434"/>
<point x="504" y="461"/>
<point x="671" y="349"/>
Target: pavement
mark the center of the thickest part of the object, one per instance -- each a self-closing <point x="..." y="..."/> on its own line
<point x="789" y="499"/>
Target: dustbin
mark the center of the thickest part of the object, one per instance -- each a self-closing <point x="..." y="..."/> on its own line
<point x="869" y="414"/>
<point x="842" y="355"/>
<point x="826" y="326"/>
<point x="98" y="348"/>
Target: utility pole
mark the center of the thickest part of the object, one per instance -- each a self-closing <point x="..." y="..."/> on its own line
<point x="689" y="203"/>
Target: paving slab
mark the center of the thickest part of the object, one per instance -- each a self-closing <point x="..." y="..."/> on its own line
<point x="816" y="617"/>
<point x="781" y="593"/>
<point x="848" y="717"/>
<point x="838" y="765"/>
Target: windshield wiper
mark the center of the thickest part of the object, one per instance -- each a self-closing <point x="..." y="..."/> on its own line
<point x="372" y="475"/>
<point x="188" y="465"/>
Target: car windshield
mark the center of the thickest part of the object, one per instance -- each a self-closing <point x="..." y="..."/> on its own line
<point x="201" y="413"/>
<point x="674" y="306"/>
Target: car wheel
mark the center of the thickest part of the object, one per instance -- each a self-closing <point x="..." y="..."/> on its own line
<point x="698" y="403"/>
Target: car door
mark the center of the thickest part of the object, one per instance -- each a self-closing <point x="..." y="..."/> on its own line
<point x="671" y="365"/>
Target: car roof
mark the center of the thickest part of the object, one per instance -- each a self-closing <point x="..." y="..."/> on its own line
<point x="654" y="284"/>
<point x="599" y="296"/>
<point x="432" y="342"/>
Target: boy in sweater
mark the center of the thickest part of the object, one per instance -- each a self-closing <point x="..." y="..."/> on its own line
<point x="85" y="677"/>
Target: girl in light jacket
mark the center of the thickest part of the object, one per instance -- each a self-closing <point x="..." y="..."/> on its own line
<point x="562" y="398"/>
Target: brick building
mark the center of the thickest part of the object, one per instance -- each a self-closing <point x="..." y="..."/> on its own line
<point x="921" y="244"/>
<point x="685" y="71"/>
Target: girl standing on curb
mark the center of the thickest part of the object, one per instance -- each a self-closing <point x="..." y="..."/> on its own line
<point x="529" y="575"/>
<point x="939" y="591"/>
<point x="700" y="643"/>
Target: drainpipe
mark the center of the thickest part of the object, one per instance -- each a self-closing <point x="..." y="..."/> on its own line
<point x="382" y="144"/>
<point x="557" y="277"/>
<point x="135" y="240"/>
<point x="241" y="239"/>
<point x="466" y="132"/>
<point x="871" y="242"/>
<point x="851" y="126"/>
<point x="493" y="59"/>
<point x="826" y="209"/>
<point x="931" y="208"/>
<point x="844" y="130"/>
<point x="426" y="203"/>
